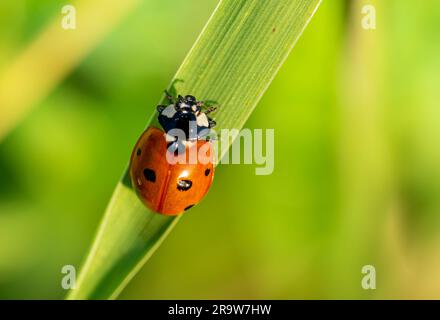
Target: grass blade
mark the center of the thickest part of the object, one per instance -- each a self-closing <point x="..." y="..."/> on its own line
<point x="234" y="60"/>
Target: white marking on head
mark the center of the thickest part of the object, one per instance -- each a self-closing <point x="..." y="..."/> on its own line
<point x="183" y="105"/>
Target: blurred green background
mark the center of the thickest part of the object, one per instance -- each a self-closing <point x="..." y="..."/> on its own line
<point x="357" y="159"/>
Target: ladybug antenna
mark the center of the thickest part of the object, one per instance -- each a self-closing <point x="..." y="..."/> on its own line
<point x="210" y="106"/>
<point x="209" y="110"/>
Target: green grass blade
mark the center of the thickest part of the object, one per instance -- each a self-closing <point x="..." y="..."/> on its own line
<point x="233" y="62"/>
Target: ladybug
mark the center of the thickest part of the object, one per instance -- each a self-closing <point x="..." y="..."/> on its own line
<point x="168" y="187"/>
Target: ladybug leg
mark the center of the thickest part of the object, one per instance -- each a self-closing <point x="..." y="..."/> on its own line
<point x="212" y="123"/>
<point x="169" y="97"/>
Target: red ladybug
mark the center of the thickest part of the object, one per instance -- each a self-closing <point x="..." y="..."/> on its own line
<point x="165" y="186"/>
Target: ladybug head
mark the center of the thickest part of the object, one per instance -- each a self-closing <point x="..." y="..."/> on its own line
<point x="186" y="114"/>
<point x="191" y="100"/>
<point x="187" y="104"/>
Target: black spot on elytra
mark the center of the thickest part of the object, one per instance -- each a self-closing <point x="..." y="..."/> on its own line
<point x="184" y="185"/>
<point x="138" y="152"/>
<point x="207" y="172"/>
<point x="189" y="207"/>
<point x="150" y="175"/>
